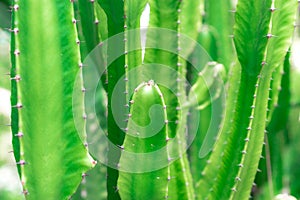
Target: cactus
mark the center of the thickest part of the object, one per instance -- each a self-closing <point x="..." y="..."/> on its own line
<point x="243" y="140"/>
<point x="50" y="154"/>
<point x="161" y="101"/>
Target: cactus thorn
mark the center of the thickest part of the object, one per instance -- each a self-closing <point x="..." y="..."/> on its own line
<point x="258" y="170"/>
<point x="167" y="138"/>
<point x="237" y="178"/>
<point x="270" y="35"/>
<point x="19" y="134"/>
<point x="94" y="162"/>
<point x="17" y="52"/>
<point x="19" y="105"/>
<point x="16" y="78"/>
<point x="21" y="162"/>
<point x="16" y="7"/>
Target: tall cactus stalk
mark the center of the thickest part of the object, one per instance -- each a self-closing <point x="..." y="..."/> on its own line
<point x="115" y="25"/>
<point x="49" y="152"/>
<point x="233" y="163"/>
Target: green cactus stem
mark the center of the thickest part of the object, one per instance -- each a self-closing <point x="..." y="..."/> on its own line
<point x="49" y="152"/>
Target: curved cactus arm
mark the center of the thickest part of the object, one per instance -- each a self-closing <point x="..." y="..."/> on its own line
<point x="142" y="183"/>
<point x="208" y="86"/>
<point x="212" y="167"/>
<point x="52" y="157"/>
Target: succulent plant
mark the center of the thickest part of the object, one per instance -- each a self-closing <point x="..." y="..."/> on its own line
<point x="160" y="91"/>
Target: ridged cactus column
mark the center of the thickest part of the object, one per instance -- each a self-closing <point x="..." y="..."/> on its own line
<point x="49" y="152"/>
<point x="145" y="184"/>
<point x="262" y="38"/>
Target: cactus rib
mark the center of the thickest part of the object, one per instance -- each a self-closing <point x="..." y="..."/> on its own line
<point x="42" y="74"/>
